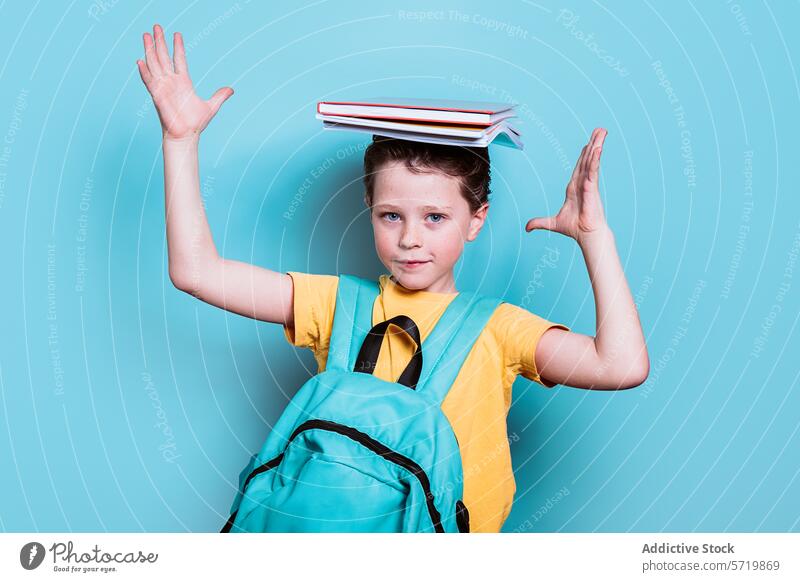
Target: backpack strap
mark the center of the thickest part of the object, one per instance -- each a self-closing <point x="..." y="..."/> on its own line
<point x="444" y="350"/>
<point x="352" y="320"/>
<point x="449" y="343"/>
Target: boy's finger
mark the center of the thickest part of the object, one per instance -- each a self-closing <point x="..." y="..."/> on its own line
<point x="601" y="137"/>
<point x="594" y="168"/>
<point x="543" y="223"/>
<point x="144" y="72"/>
<point x="218" y="98"/>
<point x="578" y="165"/>
<point x="161" y="49"/>
<point x="590" y="148"/>
<point x="590" y="143"/>
<point x="179" y="53"/>
<point x="594" y="153"/>
<point x="150" y="55"/>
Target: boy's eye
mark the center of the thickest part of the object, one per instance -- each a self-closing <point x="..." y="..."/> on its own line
<point x="394" y="217"/>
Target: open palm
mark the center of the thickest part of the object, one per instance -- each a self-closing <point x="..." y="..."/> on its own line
<point x="582" y="211"/>
<point x="182" y="113"/>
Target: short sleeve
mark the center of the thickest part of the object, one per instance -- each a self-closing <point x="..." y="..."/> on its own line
<point x="314" y="304"/>
<point x="519" y="330"/>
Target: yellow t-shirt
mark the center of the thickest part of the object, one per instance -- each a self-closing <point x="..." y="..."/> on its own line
<point x="478" y="401"/>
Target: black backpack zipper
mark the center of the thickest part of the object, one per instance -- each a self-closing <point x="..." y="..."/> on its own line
<point x="368" y="442"/>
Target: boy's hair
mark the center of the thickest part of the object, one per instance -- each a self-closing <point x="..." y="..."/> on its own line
<point x="469" y="164"/>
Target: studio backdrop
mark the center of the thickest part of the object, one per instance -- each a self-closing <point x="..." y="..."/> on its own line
<point x="128" y="405"/>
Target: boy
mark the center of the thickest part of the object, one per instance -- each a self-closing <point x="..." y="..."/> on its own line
<point x="425" y="202"/>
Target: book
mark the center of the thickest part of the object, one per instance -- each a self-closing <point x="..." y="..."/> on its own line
<point x="443" y="121"/>
<point x="456" y="111"/>
<point x="503" y="132"/>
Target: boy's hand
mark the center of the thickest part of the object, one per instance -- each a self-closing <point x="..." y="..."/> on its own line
<point x="582" y="212"/>
<point x="183" y="114"/>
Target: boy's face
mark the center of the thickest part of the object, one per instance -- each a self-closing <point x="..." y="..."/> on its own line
<point x="423" y="218"/>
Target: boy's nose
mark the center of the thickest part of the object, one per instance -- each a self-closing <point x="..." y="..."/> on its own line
<point x="409" y="238"/>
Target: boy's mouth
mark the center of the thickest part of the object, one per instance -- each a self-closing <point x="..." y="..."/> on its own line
<point x="412" y="264"/>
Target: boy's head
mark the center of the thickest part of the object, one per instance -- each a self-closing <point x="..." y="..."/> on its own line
<point x="426" y="200"/>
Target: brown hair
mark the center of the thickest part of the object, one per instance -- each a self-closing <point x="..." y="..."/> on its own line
<point x="469" y="164"/>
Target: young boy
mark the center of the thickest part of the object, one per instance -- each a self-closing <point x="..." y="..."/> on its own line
<point x="425" y="202"/>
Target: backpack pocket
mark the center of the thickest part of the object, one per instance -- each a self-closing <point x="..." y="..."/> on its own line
<point x="322" y="495"/>
<point x="335" y="478"/>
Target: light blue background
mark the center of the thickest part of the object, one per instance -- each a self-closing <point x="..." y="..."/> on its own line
<point x="709" y="443"/>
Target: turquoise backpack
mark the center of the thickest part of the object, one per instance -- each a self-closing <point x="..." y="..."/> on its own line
<point x="355" y="453"/>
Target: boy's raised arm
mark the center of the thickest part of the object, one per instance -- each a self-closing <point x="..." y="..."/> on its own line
<point x="617" y="356"/>
<point x="194" y="264"/>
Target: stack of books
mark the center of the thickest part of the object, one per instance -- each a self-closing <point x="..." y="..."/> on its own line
<point x="444" y="121"/>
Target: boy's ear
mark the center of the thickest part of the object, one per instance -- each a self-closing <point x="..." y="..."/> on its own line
<point x="477" y="221"/>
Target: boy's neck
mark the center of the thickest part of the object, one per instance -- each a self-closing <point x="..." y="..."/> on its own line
<point x="452" y="290"/>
